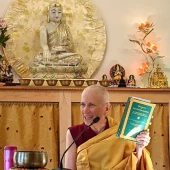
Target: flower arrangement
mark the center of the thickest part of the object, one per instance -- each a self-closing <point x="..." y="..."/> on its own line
<point x="3" y="33"/>
<point x="149" y="48"/>
<point x="6" y="74"/>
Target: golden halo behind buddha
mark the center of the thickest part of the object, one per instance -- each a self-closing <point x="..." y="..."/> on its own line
<point x="25" y="17"/>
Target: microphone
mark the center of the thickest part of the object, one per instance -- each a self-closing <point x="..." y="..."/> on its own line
<point x="95" y="120"/>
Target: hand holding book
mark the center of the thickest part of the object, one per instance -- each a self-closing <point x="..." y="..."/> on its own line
<point x="142" y="139"/>
<point x="136" y="118"/>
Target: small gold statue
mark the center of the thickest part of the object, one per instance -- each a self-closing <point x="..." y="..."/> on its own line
<point x="158" y="79"/>
<point x="116" y="73"/>
<point x="131" y="80"/>
<point x="104" y="77"/>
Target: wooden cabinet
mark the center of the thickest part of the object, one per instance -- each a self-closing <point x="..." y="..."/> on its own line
<point x="65" y="96"/>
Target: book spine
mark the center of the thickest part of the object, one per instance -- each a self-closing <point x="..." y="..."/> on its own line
<point x="123" y="118"/>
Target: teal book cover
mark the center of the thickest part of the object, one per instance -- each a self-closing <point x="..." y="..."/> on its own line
<point x="136" y="118"/>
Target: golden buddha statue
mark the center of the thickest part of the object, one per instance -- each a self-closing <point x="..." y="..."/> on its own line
<point x="117" y="74"/>
<point x="158" y="79"/>
<point x="58" y="54"/>
<point x="131" y="81"/>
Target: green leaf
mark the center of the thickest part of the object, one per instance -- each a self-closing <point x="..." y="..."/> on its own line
<point x="3" y="37"/>
<point x="4" y="44"/>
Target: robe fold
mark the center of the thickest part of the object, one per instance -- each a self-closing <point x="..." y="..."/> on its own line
<point x="107" y="152"/>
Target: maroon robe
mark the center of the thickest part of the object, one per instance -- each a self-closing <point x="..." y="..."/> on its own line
<point x="88" y="134"/>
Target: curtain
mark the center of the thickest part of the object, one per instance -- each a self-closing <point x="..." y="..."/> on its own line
<point x="30" y="126"/>
<point x="159" y="131"/>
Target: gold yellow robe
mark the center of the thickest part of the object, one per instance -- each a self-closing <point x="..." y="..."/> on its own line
<point x="107" y="152"/>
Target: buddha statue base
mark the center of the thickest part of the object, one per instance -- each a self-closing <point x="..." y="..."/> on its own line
<point x="57" y="70"/>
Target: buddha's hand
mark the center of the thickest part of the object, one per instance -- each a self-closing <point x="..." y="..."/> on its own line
<point x="143" y="140"/>
<point x="46" y="55"/>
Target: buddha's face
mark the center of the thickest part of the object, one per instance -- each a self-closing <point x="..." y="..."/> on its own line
<point x="117" y="68"/>
<point x="55" y="14"/>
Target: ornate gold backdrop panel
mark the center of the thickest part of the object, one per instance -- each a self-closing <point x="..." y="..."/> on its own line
<point x="159" y="131"/>
<point x="25" y="18"/>
<point x="30" y="126"/>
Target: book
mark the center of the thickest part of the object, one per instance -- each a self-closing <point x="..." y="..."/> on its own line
<point x="136" y="118"/>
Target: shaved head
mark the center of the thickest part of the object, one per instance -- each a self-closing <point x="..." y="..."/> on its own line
<point x="94" y="103"/>
<point x="99" y="91"/>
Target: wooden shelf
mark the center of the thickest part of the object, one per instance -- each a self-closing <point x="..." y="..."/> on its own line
<point x="65" y="96"/>
<point x="76" y="88"/>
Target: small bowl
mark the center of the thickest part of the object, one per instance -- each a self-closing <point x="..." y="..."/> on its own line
<point x="104" y="83"/>
<point x="52" y="82"/>
<point x="65" y="82"/>
<point x="24" y="82"/>
<point x="30" y="159"/>
<point x="38" y="82"/>
<point x="91" y="82"/>
<point x="78" y="82"/>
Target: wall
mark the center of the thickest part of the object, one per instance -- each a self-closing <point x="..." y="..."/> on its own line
<point x="121" y="18"/>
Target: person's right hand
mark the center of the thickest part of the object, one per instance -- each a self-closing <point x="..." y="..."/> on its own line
<point x="46" y="55"/>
